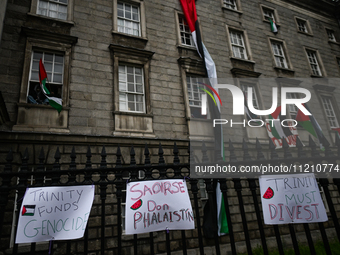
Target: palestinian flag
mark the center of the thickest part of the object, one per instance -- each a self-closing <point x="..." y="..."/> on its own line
<point x="273" y="26"/>
<point x="55" y="102"/>
<point x="277" y="132"/>
<point x="28" y="210"/>
<point x="189" y="10"/>
<point x="309" y="123"/>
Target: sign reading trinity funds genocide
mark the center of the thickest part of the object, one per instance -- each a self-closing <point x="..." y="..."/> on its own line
<point x="54" y="213"/>
<point x="157" y="205"/>
<point x="291" y="199"/>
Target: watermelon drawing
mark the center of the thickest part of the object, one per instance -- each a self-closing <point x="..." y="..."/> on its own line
<point x="269" y="193"/>
<point x="137" y="205"/>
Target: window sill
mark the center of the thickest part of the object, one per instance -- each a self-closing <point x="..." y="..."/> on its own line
<point x="276" y="23"/>
<point x="229" y="9"/>
<point x="143" y="39"/>
<point x="186" y="47"/>
<point x="242" y="59"/>
<point x="28" y="105"/>
<point x="71" y="23"/>
<point x="337" y="43"/>
<point x="133" y="114"/>
<point x="284" y="69"/>
<point x="316" y="76"/>
<point x="304" y="33"/>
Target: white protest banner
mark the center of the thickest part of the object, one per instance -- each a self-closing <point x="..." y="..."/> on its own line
<point x="291" y="199"/>
<point x="157" y="205"/>
<point x="54" y="213"/>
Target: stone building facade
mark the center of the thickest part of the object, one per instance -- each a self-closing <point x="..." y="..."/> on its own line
<point x="124" y="70"/>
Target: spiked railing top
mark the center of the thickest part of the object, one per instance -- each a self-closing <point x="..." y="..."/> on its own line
<point x="273" y="154"/>
<point x="285" y="146"/>
<point x="161" y="160"/>
<point x="73" y="159"/>
<point x="132" y="156"/>
<point x="246" y="155"/>
<point x="312" y="145"/>
<point x="299" y="145"/>
<point x="147" y="161"/>
<point x="260" y="155"/>
<point x="118" y="155"/>
<point x="88" y="164"/>
<point x="233" y="157"/>
<point x="176" y="158"/>
<point x="103" y="154"/>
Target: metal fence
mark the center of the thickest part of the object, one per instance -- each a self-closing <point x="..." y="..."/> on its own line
<point x="112" y="181"/>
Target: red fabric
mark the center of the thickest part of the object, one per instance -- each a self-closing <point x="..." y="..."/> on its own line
<point x="301" y="117"/>
<point x="189" y="10"/>
<point x="276" y="113"/>
<point x="42" y="72"/>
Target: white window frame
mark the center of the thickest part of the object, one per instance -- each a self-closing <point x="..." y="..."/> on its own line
<point x="279" y="54"/>
<point x="185" y="32"/>
<point x="315" y="63"/>
<point x="58" y="4"/>
<point x="331" y="35"/>
<point x="50" y="75"/>
<point x="237" y="47"/>
<point x="292" y="109"/>
<point x="327" y="104"/>
<point x="126" y="92"/>
<point x="244" y="88"/>
<point x="269" y="13"/>
<point x="230" y="4"/>
<point x="192" y="80"/>
<point x="126" y="21"/>
<point x="69" y="15"/>
<point x="302" y="26"/>
<point x="142" y="25"/>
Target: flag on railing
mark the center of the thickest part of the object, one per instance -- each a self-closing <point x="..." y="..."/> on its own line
<point x="55" y="102"/>
<point x="277" y="132"/>
<point x="189" y="11"/>
<point x="309" y="123"/>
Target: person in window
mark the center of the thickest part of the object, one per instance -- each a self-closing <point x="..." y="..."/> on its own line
<point x="37" y="96"/>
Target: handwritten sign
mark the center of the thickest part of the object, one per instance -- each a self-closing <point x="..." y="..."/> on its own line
<point x="54" y="213"/>
<point x="291" y="199"/>
<point x="157" y="205"/>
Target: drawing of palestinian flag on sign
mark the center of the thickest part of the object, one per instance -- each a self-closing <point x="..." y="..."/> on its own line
<point x="28" y="210"/>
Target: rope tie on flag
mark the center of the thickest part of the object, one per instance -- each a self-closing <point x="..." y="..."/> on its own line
<point x="23" y="195"/>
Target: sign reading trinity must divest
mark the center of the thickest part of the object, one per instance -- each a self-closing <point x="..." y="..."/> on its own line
<point x="291" y="199"/>
<point x="54" y="213"/>
<point x="157" y="205"/>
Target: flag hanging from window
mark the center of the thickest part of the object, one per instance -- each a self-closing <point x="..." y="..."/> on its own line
<point x="189" y="10"/>
<point x="273" y="26"/>
<point x="55" y="102"/>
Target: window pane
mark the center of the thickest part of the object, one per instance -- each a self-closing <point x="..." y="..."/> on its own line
<point x="53" y="7"/>
<point x="57" y="78"/>
<point x="48" y="67"/>
<point x="35" y="76"/>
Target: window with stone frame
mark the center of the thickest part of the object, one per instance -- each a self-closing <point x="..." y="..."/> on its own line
<point x="331" y="36"/>
<point x="54" y="66"/>
<point x="238" y="44"/>
<point x="314" y="62"/>
<point x="230" y="4"/>
<point x="292" y="109"/>
<point x="195" y="92"/>
<point x="128" y="18"/>
<point x="302" y="25"/>
<point x="329" y="111"/>
<point x="61" y="10"/>
<point x="268" y="14"/>
<point x="244" y="87"/>
<point x="279" y="54"/>
<point x="55" y="52"/>
<point x="53" y="8"/>
<point x="131" y="89"/>
<point x="185" y="34"/>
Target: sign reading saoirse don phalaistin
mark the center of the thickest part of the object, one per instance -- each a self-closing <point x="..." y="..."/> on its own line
<point x="157" y="205"/>
<point x="291" y="199"/>
<point x="54" y="213"/>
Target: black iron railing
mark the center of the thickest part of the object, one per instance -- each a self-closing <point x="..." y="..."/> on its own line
<point x="110" y="183"/>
